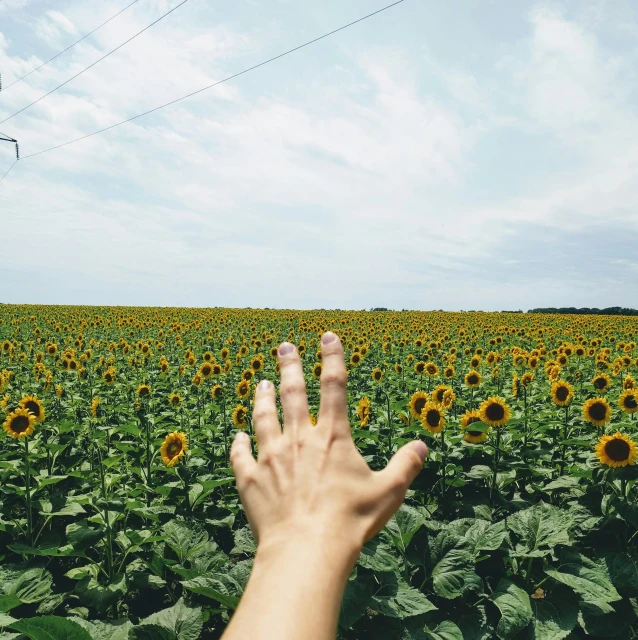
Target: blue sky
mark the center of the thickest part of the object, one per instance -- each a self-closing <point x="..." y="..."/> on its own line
<point x="466" y="155"/>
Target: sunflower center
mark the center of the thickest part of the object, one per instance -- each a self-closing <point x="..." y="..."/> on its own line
<point x="474" y="434"/>
<point x="174" y="448"/>
<point x="495" y="412"/>
<point x="600" y="383"/>
<point x="33" y="407"/>
<point x="19" y="424"/>
<point x="630" y="402"/>
<point x="562" y="393"/>
<point x="617" y="450"/>
<point x="598" y="411"/>
<point x="419" y="404"/>
<point x="433" y="417"/>
<point x="472" y="379"/>
<point x="439" y="395"/>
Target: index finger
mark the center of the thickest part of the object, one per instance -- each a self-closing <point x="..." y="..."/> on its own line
<point x="333" y="404"/>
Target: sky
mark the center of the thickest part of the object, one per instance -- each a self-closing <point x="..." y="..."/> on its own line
<point x="455" y="156"/>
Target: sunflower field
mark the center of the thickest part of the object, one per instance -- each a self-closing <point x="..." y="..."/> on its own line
<point x="119" y="516"/>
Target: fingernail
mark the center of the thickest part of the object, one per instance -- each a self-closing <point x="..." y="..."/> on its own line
<point x="421" y="448"/>
<point x="264" y="385"/>
<point x="328" y="337"/>
<point x="240" y="434"/>
<point x="285" y="348"/>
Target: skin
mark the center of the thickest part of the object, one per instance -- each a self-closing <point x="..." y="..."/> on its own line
<point x="311" y="502"/>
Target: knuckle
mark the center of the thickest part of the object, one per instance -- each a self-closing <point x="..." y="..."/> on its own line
<point x="261" y="414"/>
<point x="333" y="379"/>
<point x="293" y="387"/>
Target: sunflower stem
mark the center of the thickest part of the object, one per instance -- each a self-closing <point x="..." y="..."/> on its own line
<point x="564" y="448"/>
<point x="496" y="461"/>
<point x="28" y="490"/>
<point x="443" y="462"/>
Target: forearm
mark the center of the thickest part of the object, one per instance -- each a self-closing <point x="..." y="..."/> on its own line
<point x="294" y="592"/>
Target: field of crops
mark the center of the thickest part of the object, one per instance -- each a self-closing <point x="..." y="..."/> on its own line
<point x="119" y="516"/>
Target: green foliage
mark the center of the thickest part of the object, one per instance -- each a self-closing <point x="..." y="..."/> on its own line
<point x="524" y="535"/>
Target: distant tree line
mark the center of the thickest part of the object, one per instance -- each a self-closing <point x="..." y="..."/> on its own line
<point x="609" y="311"/>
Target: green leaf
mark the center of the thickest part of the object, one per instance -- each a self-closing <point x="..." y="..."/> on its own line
<point x="33" y="585"/>
<point x="185" y="622"/>
<point x="244" y="542"/>
<point x="9" y="602"/>
<point x="445" y="631"/>
<point x="185" y="539"/>
<point x="377" y="556"/>
<point x="514" y="605"/>
<point x="50" y="628"/>
<point x="402" y="601"/>
<point x="403" y="525"/>
<point x="554" y="615"/>
<point x="356" y="598"/>
<point x="480" y="472"/>
<point x="485" y="536"/>
<point x="101" y="597"/>
<point x="454" y="574"/>
<point x="609" y="625"/>
<point x="540" y="528"/>
<point x="151" y="632"/>
<point x="473" y="625"/>
<point x="623" y="571"/>
<point x="212" y="588"/>
<point x="6" y="620"/>
<point x="589" y="579"/>
<point x="118" y="630"/>
<point x="69" y="509"/>
<point x="81" y="536"/>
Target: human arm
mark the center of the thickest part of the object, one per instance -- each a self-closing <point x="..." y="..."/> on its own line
<point x="311" y="502"/>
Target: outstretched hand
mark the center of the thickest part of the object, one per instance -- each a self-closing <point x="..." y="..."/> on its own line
<point x="310" y="483"/>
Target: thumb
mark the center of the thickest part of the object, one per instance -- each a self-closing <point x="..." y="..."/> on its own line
<point x="403" y="468"/>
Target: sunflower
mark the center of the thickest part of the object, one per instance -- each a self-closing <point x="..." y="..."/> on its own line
<point x="175" y="399"/>
<point x="494" y="411"/>
<point x="197" y="379"/>
<point x="313" y="419"/>
<point x="628" y="400"/>
<point x="95" y="407"/>
<point x="59" y="390"/>
<point x="355" y="359"/>
<point x="4" y="401"/>
<point x="242" y="389"/>
<point x="316" y="370"/>
<point x="239" y="416"/>
<point x="224" y="353"/>
<point x="52" y="349"/>
<point x="516" y="385"/>
<point x="431" y="369"/>
<point x="109" y="376"/>
<point x="417" y="402"/>
<point x="472" y="435"/>
<point x="628" y="382"/>
<point x="363" y="411"/>
<point x="597" y="411"/>
<point x="144" y="391"/>
<point x="475" y="362"/>
<point x="20" y="423"/>
<point x="206" y="370"/>
<point x="256" y="364"/>
<point x="527" y="379"/>
<point x="398" y="368"/>
<point x="562" y="393"/>
<point x="173" y="448"/>
<point x="377" y="375"/>
<point x="616" y="451"/>
<point x="432" y="417"/>
<point x="248" y="375"/>
<point x="448" y="399"/>
<point x="217" y="392"/>
<point x="439" y="392"/>
<point x="472" y="379"/>
<point x="32" y="404"/>
<point x="419" y="367"/>
<point x="448" y="373"/>
<point x="601" y="382"/>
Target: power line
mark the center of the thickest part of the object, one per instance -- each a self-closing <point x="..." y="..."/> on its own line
<point x="96" y="62"/>
<point x="210" y="86"/>
<point x="26" y="75"/>
<point x="7" y="171"/>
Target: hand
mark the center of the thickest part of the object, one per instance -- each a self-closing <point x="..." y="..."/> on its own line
<point x="310" y="483"/>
